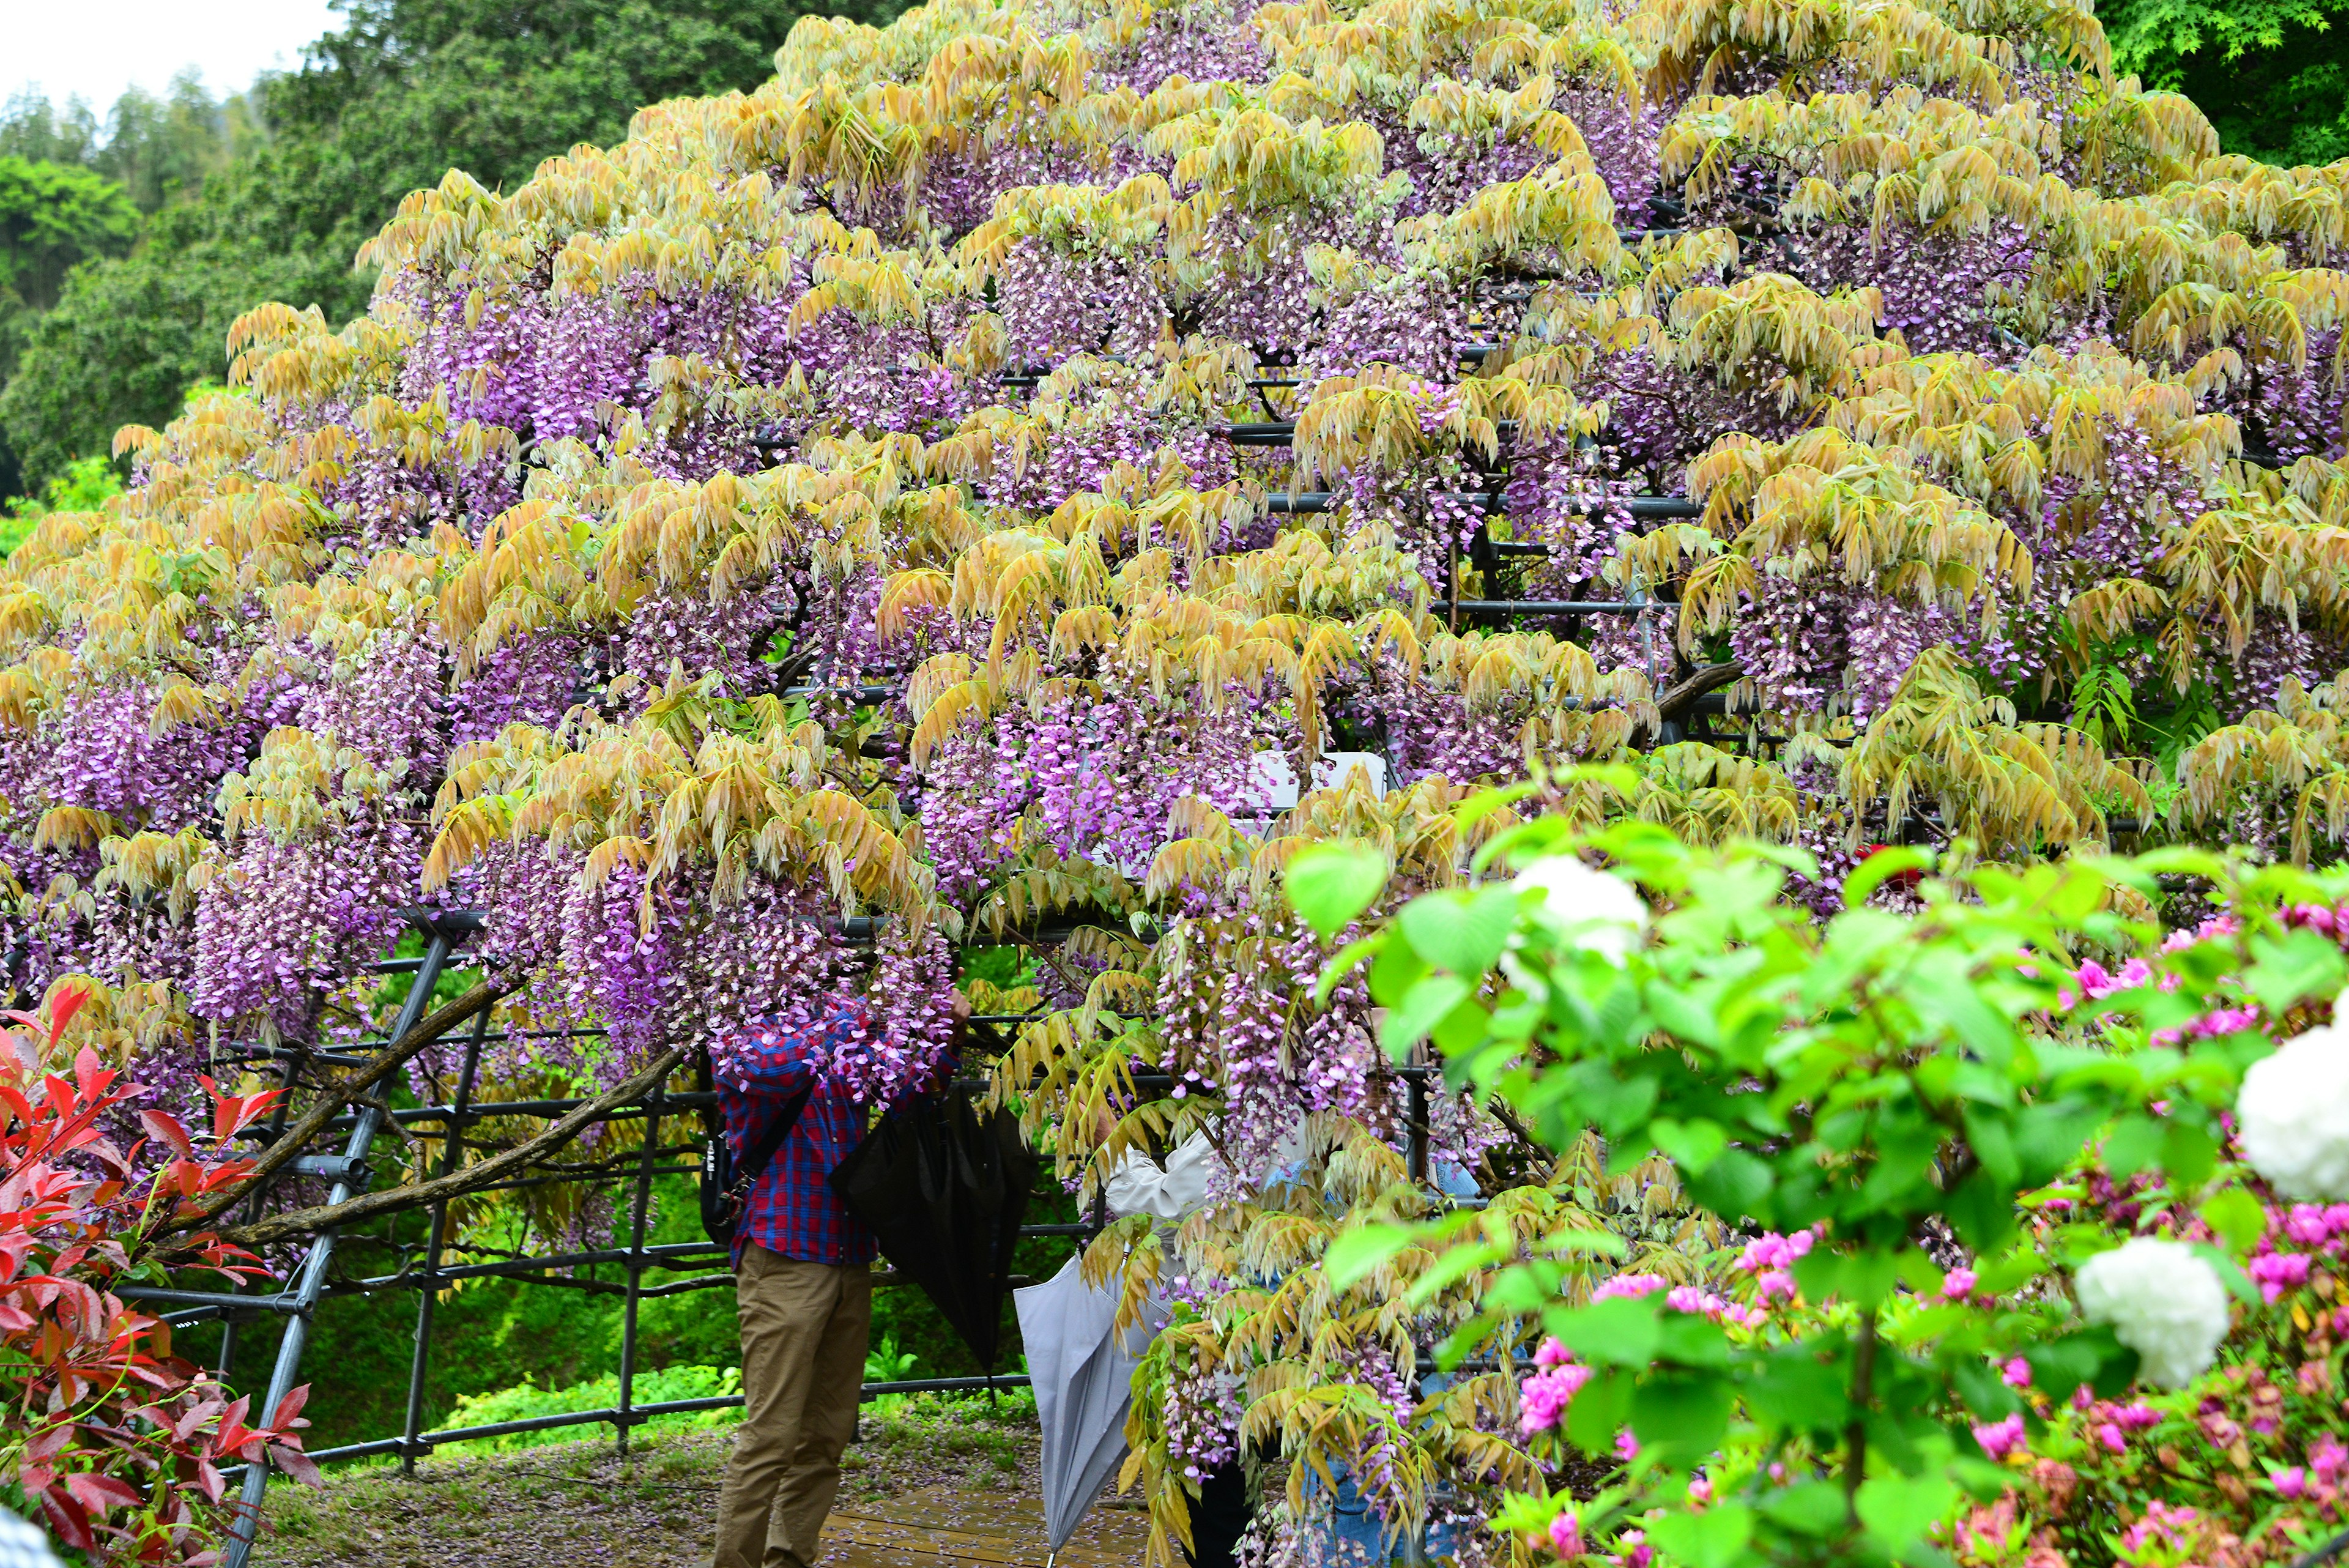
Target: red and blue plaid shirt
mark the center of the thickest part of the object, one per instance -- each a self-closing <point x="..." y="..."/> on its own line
<point x="793" y="1211"/>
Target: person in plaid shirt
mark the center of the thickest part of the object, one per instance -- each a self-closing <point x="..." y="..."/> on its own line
<point x="803" y="1298"/>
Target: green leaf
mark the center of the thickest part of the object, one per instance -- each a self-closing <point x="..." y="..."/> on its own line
<point x="1353" y="1255"/>
<point x="1898" y="1512"/>
<point x="1342" y="964"/>
<point x="2060" y="1366"/>
<point x="1982" y="1210"/>
<point x="1423" y="1007"/>
<point x="1599" y="1411"/>
<point x="1872" y="873"/>
<point x="1465" y="935"/>
<point x="2135" y="1144"/>
<point x="1806" y="1508"/>
<point x="1485" y="802"/>
<point x="1620" y="1331"/>
<point x="2189" y="1153"/>
<point x="1795" y="1389"/>
<point x="1693" y="1146"/>
<point x="2304" y="964"/>
<point x="1685" y="1415"/>
<point x="1736" y="1183"/>
<point x="1713" y="1539"/>
<point x="1329" y="884"/>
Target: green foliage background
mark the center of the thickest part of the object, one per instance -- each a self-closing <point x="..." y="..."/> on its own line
<point x="268" y="196"/>
<point x="2272" y="75"/>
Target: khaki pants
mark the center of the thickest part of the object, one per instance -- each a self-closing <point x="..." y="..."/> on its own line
<point x="803" y="1338"/>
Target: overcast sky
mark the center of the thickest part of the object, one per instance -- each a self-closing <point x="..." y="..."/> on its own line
<point x="97" y="47"/>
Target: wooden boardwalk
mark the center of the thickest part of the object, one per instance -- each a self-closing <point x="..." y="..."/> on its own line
<point x="946" y="1524"/>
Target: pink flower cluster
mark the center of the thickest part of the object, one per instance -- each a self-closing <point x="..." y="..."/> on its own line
<point x="1770" y="1258"/>
<point x="2117" y="1421"/>
<point x="2000" y="1439"/>
<point x="1720" y="1309"/>
<point x="2322" y="1481"/>
<point x="1566" y="1535"/>
<point x="1543" y="1398"/>
<point x="2094" y="982"/>
<point x="2320" y="1228"/>
<point x="2163" y="1533"/>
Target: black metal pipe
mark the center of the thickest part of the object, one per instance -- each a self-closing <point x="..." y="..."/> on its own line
<point x="429" y="1294"/>
<point x="1555" y="607"/>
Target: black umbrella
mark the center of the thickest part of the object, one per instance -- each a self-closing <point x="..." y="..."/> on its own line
<point x="944" y="1189"/>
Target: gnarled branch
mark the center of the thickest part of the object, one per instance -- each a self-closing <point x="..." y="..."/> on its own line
<point x="489" y="993"/>
<point x="456" y="1184"/>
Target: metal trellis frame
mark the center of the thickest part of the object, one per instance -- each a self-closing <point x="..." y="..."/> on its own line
<point x="704" y="1265"/>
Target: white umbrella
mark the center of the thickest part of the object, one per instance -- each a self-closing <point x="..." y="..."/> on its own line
<point x="1083" y="1374"/>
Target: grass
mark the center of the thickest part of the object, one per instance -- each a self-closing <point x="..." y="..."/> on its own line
<point x="576" y="1503"/>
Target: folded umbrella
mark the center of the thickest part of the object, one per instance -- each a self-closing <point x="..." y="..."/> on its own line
<point x="1083" y="1373"/>
<point x="942" y="1189"/>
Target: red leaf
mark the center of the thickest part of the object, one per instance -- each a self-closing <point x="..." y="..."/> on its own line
<point x="289" y="1407"/>
<point x="164" y="1127"/>
<point x="69" y="1520"/>
<point x="90" y="1073"/>
<point x="97" y="1493"/>
<point x="296" y="1463"/>
<point x="62" y="1008"/>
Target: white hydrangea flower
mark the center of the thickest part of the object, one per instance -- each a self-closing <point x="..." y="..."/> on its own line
<point x="2292" y="1115"/>
<point x="2162" y="1300"/>
<point x="1591" y="909"/>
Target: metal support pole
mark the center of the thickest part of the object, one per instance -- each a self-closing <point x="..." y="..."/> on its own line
<point x="1418" y="1082"/>
<point x="312" y="1278"/>
<point x="637" y="1262"/>
<point x="452" y="1153"/>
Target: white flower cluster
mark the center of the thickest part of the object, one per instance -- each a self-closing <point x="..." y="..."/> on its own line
<point x="1588" y="907"/>
<point x="2292" y="1114"/>
<point x="2162" y="1300"/>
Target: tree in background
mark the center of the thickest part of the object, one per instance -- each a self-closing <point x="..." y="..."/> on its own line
<point x="52" y="217"/>
<point x="407" y="91"/>
<point x="159" y="149"/>
<point x="2272" y="75"/>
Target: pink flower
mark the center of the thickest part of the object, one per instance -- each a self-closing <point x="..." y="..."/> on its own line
<point x="2276" y="1273"/>
<point x="1640" y="1552"/>
<point x="2293" y="1482"/>
<point x="1565" y="1534"/>
<point x="2329" y="1458"/>
<point x="1777" y="1469"/>
<point x="1770" y="1250"/>
<point x="1553" y="1352"/>
<point x="2310" y="1224"/>
<point x="1958" y="1285"/>
<point x="2000" y="1439"/>
<point x="1701" y="1491"/>
<point x="2225" y="1020"/>
<point x="1776" y="1282"/>
<point x="1627" y="1447"/>
<point x="1630" y="1285"/>
<point x="2016" y="1373"/>
<point x="2109" y="1434"/>
<point x="2093" y="980"/>
<point x="1542" y="1399"/>
<point x="2137" y="1417"/>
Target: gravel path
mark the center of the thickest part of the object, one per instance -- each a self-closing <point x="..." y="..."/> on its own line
<point x="579" y="1505"/>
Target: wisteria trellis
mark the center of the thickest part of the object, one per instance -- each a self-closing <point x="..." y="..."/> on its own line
<point x="560" y="584"/>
